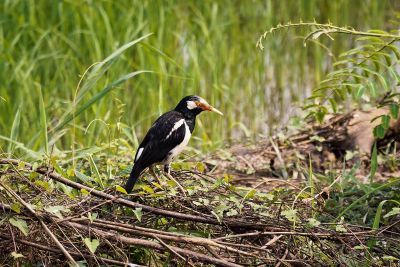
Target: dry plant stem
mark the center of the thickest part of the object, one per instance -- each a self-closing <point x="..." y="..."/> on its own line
<point x="185" y="239"/>
<point x="362" y="233"/>
<point x="272" y="241"/>
<point x="213" y="252"/>
<point x="47" y="230"/>
<point x="179" y="185"/>
<point x="54" y="250"/>
<point x="13" y="241"/>
<point x="172" y="250"/>
<point x="150" y="244"/>
<point x="281" y="260"/>
<point x="188" y="217"/>
<point x="86" y="211"/>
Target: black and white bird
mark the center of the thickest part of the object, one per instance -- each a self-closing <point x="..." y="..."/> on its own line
<point x="168" y="136"/>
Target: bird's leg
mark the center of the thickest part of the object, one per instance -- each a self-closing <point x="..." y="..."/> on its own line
<point x="173" y="179"/>
<point x="153" y="172"/>
<point x="167" y="168"/>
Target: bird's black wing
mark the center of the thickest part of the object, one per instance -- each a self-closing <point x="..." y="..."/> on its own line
<point x="156" y="146"/>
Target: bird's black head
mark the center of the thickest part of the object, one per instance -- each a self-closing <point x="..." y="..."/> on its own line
<point x="192" y="105"/>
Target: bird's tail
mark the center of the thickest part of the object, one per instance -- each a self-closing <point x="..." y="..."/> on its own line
<point x="135" y="173"/>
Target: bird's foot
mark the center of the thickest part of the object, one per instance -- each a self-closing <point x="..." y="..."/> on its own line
<point x="178" y="184"/>
<point x="167" y="168"/>
<point x="161" y="182"/>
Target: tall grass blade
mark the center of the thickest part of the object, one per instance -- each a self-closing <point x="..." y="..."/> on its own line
<point x="100" y="69"/>
<point x="43" y="122"/>
<point x="19" y="145"/>
<point x="374" y="163"/>
<point x="71" y="115"/>
<point x="354" y="203"/>
<point x="14" y="131"/>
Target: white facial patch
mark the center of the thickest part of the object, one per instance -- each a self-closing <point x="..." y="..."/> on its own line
<point x="191" y="105"/>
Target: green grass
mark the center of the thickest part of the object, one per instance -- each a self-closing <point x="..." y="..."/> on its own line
<point x="206" y="48"/>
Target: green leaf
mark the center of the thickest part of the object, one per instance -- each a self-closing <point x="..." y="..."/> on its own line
<point x="162" y="221"/>
<point x="217" y="216"/>
<point x="43" y="184"/>
<point x="200" y="167"/>
<point x="379" y="131"/>
<point x="227" y="178"/>
<point x="138" y="213"/>
<point x="20" y="224"/>
<point x="232" y="212"/>
<point x="360" y="92"/>
<point x="250" y="194"/>
<point x="81" y="176"/>
<point x="70" y="172"/>
<point x="320" y="115"/>
<point x="378" y="213"/>
<point x="385" y="121"/>
<point x="390" y="258"/>
<point x="372" y="89"/>
<point x="56" y="210"/>
<point x="150" y="190"/>
<point x="394" y="211"/>
<point x="16" y="255"/>
<point x="92" y="216"/>
<point x="121" y="189"/>
<point x="221" y="208"/>
<point x="341" y="228"/>
<point x="92" y="244"/>
<point x="290" y="215"/>
<point x="313" y="222"/>
<point x="85" y="192"/>
<point x="16" y="207"/>
<point x="394" y="110"/>
<point x="333" y="104"/>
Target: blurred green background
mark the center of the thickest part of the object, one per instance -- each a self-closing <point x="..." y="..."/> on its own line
<point x="197" y="47"/>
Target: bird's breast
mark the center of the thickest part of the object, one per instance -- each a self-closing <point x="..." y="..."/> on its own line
<point x="178" y="149"/>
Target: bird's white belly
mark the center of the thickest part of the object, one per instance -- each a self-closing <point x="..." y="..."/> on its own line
<point x="178" y="149"/>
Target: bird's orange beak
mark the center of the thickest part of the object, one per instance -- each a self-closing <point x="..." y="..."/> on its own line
<point x="208" y="107"/>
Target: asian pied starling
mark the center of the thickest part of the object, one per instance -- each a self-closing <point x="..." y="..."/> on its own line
<point x="168" y="136"/>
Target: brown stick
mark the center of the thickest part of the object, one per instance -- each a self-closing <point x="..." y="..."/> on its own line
<point x="172" y="250"/>
<point x="177" y="238"/>
<point x="182" y="216"/>
<point x="47" y="248"/>
<point x="150" y="244"/>
<point x="47" y="230"/>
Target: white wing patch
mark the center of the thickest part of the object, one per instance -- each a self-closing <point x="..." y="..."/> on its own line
<point x="178" y="149"/>
<point x="139" y="153"/>
<point x="176" y="127"/>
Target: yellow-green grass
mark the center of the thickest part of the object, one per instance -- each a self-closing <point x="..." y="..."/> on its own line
<point x="196" y="47"/>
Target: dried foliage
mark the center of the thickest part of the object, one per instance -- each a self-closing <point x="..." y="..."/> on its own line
<point x="216" y="223"/>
